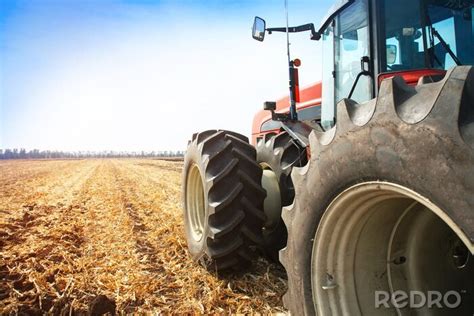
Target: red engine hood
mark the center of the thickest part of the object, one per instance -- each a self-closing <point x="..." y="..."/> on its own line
<point x="311" y="96"/>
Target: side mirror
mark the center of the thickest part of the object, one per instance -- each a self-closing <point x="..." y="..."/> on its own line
<point x="391" y="54"/>
<point x="258" y="29"/>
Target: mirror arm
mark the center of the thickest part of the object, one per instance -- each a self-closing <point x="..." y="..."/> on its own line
<point x="296" y="29"/>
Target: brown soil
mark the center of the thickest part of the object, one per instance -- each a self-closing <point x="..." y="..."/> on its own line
<point x="104" y="236"/>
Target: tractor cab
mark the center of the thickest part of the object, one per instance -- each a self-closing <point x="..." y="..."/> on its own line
<point x="366" y="41"/>
<point x="383" y="38"/>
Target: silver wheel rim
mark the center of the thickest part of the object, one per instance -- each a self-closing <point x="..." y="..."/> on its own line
<point x="195" y="206"/>
<point x="272" y="203"/>
<point x="378" y="236"/>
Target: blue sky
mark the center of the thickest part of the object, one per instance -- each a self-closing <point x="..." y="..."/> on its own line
<point x="141" y="75"/>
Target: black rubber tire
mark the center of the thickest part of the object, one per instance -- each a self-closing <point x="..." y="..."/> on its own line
<point x="280" y="153"/>
<point x="233" y="200"/>
<point x="419" y="137"/>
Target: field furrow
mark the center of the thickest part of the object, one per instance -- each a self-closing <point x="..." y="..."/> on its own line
<point x="71" y="231"/>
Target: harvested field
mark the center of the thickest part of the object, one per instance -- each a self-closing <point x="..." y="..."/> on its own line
<point x="80" y="236"/>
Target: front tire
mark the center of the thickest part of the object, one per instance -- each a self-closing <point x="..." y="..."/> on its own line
<point x="223" y="200"/>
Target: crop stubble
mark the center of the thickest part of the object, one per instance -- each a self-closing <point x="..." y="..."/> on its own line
<point x="71" y="230"/>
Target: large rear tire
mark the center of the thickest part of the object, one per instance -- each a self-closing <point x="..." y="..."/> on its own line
<point x="386" y="203"/>
<point x="223" y="200"/>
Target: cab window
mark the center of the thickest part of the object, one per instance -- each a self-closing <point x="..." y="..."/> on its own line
<point x="427" y="34"/>
<point x="351" y="44"/>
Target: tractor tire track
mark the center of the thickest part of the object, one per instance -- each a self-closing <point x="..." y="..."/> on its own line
<point x="129" y="196"/>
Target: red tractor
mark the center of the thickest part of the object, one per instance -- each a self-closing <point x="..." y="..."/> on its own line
<point x="363" y="184"/>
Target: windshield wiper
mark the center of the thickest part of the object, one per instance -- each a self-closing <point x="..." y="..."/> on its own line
<point x="445" y="45"/>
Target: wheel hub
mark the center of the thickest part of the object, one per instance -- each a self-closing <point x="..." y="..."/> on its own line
<point x="195" y="203"/>
<point x="380" y="238"/>
<point x="272" y="204"/>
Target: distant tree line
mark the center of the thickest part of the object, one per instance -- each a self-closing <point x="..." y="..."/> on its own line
<point x="54" y="154"/>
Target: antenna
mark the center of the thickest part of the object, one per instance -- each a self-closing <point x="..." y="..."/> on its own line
<point x="292" y="71"/>
<point x="287" y="32"/>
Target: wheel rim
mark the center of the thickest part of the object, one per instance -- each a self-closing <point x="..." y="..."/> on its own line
<point x="195" y="207"/>
<point x="272" y="203"/>
<point x="384" y="237"/>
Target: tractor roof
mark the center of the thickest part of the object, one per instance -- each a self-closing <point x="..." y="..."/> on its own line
<point x="333" y="11"/>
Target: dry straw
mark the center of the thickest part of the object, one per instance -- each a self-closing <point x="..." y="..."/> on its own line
<point x="93" y="236"/>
